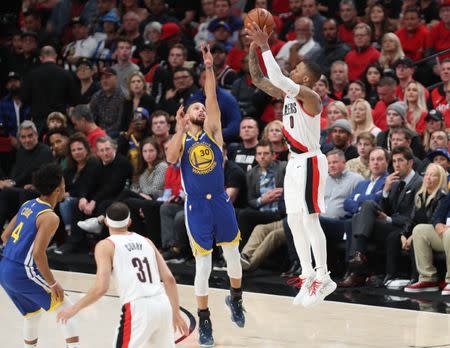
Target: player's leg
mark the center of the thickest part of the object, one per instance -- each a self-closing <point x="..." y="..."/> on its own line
<point x="203" y="264"/>
<point x="69" y="329"/>
<point x="30" y="330"/>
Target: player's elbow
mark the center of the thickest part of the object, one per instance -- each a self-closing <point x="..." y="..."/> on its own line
<point x="169" y="280"/>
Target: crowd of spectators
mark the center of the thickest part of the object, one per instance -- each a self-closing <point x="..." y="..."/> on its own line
<point x="95" y="84"/>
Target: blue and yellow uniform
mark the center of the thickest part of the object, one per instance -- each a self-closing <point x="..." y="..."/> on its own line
<point x="209" y="213"/>
<point x="19" y="275"/>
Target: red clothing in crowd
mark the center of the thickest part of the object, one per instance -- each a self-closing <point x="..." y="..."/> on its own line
<point x="379" y="115"/>
<point x="93" y="136"/>
<point x="346" y="35"/>
<point x="323" y="115"/>
<point x="358" y="61"/>
<point x="173" y="180"/>
<point x="400" y="93"/>
<point x="446" y="114"/>
<point x="421" y="124"/>
<point x="438" y="97"/>
<point x="280" y="6"/>
<point x="439" y="39"/>
<point x="414" y="44"/>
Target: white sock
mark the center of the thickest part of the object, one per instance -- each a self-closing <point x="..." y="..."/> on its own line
<point x="26" y="345"/>
<point x="73" y="345"/>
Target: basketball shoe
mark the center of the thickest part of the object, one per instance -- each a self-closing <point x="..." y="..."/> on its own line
<point x="237" y="311"/>
<point x="318" y="290"/>
<point x="205" y="337"/>
<point x="303" y="282"/>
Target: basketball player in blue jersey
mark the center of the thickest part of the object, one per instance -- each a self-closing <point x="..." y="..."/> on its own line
<point x="307" y="169"/>
<point x="24" y="271"/>
<point x="210" y="215"/>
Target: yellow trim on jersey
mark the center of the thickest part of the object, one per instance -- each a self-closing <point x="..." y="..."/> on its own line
<point x="213" y="140"/>
<point x="42" y="202"/>
<point x="32" y="313"/>
<point x="44" y="211"/>
<point x="234" y="241"/>
<point x="54" y="304"/>
<point x="182" y="143"/>
<point x="195" y="137"/>
<point x="198" y="249"/>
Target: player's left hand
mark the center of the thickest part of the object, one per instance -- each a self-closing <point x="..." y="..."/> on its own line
<point x="180" y="324"/>
<point x="207" y="55"/>
<point x="66" y="314"/>
<point x="258" y="36"/>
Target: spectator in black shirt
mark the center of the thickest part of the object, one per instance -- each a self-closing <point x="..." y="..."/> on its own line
<point x="88" y="86"/>
<point x="341" y="138"/>
<point x="49" y="88"/>
<point x="244" y="153"/>
<point x="111" y="180"/>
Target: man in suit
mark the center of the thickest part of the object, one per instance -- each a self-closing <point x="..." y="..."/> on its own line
<point x="375" y="222"/>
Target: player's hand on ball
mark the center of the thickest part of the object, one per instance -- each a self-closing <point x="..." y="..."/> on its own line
<point x="258" y="36"/>
<point x="207" y="55"/>
<point x="180" y="324"/>
<point x="66" y="314"/>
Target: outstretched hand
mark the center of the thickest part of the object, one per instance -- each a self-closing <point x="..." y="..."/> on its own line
<point x="182" y="119"/>
<point x="207" y="56"/>
<point x="258" y="36"/>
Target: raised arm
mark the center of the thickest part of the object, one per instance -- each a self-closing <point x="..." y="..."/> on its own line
<point x="310" y="99"/>
<point x="212" y="122"/>
<point x="176" y="143"/>
<point x="258" y="78"/>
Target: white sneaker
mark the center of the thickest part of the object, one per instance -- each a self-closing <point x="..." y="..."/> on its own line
<point x="91" y="225"/>
<point x="304" y="283"/>
<point x="397" y="284"/>
<point x="318" y="290"/>
<point x="446" y="290"/>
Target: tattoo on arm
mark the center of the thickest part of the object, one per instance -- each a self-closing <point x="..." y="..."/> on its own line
<point x="258" y="78"/>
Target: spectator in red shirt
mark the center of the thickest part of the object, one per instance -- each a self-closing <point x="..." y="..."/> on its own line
<point x="404" y="71"/>
<point x="349" y="18"/>
<point x="83" y="121"/>
<point x="339" y="80"/>
<point x="386" y="92"/>
<point x="363" y="54"/>
<point x="289" y="18"/>
<point x="446" y="108"/>
<point x="416" y="106"/>
<point x="439" y="37"/>
<point x="437" y="95"/>
<point x="413" y="35"/>
<point x="379" y="23"/>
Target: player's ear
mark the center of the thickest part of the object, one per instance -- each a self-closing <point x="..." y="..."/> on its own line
<point x="105" y="221"/>
<point x="130" y="221"/>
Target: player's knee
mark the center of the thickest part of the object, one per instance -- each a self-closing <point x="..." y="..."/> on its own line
<point x="232" y="257"/>
<point x="31" y="327"/>
<point x="69" y="329"/>
<point x="203" y="265"/>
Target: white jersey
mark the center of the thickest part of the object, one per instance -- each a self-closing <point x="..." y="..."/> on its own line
<point x="135" y="269"/>
<point x="301" y="130"/>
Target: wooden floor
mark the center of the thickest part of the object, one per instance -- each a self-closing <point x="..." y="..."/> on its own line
<point x="272" y="322"/>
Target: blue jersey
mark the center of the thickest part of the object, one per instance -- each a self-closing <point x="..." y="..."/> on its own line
<point x="202" y="165"/>
<point x="19" y="247"/>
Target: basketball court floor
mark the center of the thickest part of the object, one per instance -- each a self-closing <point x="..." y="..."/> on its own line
<point x="272" y="322"/>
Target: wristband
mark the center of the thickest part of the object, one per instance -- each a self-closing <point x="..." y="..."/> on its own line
<point x="53" y="285"/>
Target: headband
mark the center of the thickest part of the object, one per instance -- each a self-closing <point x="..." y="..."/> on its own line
<point x="118" y="224"/>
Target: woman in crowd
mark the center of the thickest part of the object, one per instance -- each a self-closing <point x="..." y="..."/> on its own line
<point x="416" y="107"/>
<point x="335" y="111"/>
<point x="372" y="77"/>
<point x="433" y="121"/>
<point x="152" y="32"/>
<point x="82" y="169"/>
<point x="274" y="134"/>
<point x="136" y="97"/>
<point x="361" y="119"/>
<point x="379" y="23"/>
<point x="432" y="192"/>
<point x="391" y="50"/>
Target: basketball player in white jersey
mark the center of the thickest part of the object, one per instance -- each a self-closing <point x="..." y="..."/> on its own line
<point x="304" y="183"/>
<point x="149" y="314"/>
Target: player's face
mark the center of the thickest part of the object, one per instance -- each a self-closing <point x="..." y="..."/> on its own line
<point x="298" y="75"/>
<point x="377" y="162"/>
<point x="197" y="114"/>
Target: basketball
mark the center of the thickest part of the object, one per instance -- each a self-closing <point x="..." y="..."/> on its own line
<point x="260" y="16"/>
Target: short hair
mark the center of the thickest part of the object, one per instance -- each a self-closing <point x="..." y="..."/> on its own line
<point x="159" y="113"/>
<point x="324" y="79"/>
<point x="264" y="143"/>
<point x="412" y="9"/>
<point x="56" y="115"/>
<point x="106" y="139"/>
<point x="181" y="47"/>
<point x="406" y="132"/>
<point x="28" y="125"/>
<point x="118" y="211"/>
<point x="339" y="62"/>
<point x="47" y="178"/>
<point x="403" y="150"/>
<point x="124" y="39"/>
<point x="313" y="69"/>
<point x="366" y="136"/>
<point x="360" y="84"/>
<point x="387" y="81"/>
<point x="183" y="68"/>
<point x="131" y="14"/>
<point x="60" y="130"/>
<point x="83" y="111"/>
<point x="33" y="13"/>
<point x="348" y="2"/>
<point x="47" y="51"/>
<point x="338" y="153"/>
<point x="364" y="26"/>
<point x="385" y="151"/>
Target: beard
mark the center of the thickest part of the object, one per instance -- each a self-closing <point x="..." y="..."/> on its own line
<point x="15" y="91"/>
<point x="198" y="122"/>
